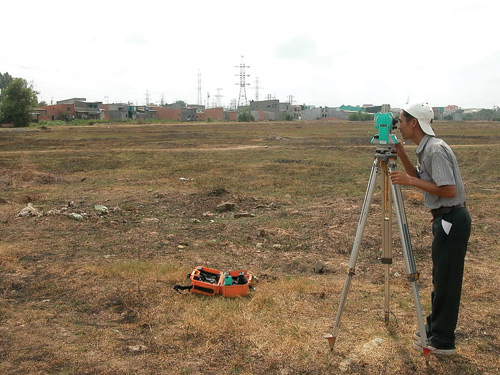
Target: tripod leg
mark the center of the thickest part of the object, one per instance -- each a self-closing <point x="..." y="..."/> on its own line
<point x="386" y="236"/>
<point x="413" y="275"/>
<point x="355" y="250"/>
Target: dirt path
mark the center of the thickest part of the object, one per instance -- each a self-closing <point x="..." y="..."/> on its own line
<point x="121" y="149"/>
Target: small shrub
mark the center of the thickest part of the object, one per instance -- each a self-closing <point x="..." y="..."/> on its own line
<point x="245" y="116"/>
<point x="358" y="116"/>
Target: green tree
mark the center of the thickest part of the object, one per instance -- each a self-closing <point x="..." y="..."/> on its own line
<point x="5" y="80"/>
<point x="245" y="116"/>
<point x="486" y="114"/>
<point x="63" y="116"/>
<point x="181" y="103"/>
<point x="358" y="116"/>
<point x="18" y="101"/>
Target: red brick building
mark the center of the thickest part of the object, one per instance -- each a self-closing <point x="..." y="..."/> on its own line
<point x="216" y="114"/>
<point x="56" y="112"/>
<point x="200" y="116"/>
<point x="174" y="114"/>
<point x="230" y="116"/>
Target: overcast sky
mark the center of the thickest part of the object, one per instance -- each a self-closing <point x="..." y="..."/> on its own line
<point x="322" y="52"/>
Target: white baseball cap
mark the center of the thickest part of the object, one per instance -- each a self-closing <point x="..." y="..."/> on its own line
<point x="424" y="113"/>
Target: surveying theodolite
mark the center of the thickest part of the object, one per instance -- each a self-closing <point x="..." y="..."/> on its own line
<point x="385" y="161"/>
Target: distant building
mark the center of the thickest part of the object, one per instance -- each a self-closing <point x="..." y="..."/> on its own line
<point x="438" y="112"/>
<point x="188" y="114"/>
<point x="55" y="112"/>
<point x="373" y="109"/>
<point x="272" y="109"/>
<point x="169" y="113"/>
<point x="286" y="111"/>
<point x="173" y="105"/>
<point x="350" y="108"/>
<point x="216" y="114"/>
<point x="265" y="109"/>
<point x="146" y="113"/>
<point x="297" y="111"/>
<point x="211" y="114"/>
<point x="449" y="109"/>
<point x="197" y="107"/>
<point x="200" y="116"/>
<point x="83" y="109"/>
<point x="453" y="112"/>
<point x="386" y="108"/>
<point x="324" y="113"/>
<point x="230" y="116"/>
<point x="118" y="111"/>
<point x="261" y="115"/>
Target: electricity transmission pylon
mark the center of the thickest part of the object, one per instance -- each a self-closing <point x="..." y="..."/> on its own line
<point x="242" y="98"/>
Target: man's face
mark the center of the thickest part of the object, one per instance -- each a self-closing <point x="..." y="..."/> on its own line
<point x="405" y="126"/>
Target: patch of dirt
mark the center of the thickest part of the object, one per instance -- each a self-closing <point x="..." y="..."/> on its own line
<point x="25" y="176"/>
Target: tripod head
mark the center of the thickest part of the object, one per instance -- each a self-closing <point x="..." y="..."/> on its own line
<point x="385" y="123"/>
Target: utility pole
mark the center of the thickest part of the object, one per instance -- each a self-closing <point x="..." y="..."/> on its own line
<point x="217" y="98"/>
<point x="162" y="102"/>
<point x="147" y="97"/>
<point x="242" y="99"/>
<point x="257" y="88"/>
<point x="208" y="100"/>
<point x="199" y="87"/>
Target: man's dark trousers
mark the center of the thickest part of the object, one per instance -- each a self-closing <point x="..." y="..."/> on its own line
<point x="448" y="256"/>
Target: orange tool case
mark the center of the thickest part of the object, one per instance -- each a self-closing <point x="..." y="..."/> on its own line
<point x="211" y="282"/>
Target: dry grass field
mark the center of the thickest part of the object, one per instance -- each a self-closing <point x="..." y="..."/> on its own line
<point x="94" y="296"/>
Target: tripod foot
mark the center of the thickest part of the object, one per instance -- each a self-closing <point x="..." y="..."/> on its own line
<point x="331" y="340"/>
<point x="427" y="355"/>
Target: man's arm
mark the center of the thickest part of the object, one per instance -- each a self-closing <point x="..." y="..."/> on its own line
<point x="401" y="178"/>
<point x="405" y="160"/>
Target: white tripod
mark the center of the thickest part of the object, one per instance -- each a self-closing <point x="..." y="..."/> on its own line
<point x="385" y="160"/>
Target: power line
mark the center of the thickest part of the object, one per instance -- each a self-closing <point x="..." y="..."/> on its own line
<point x="125" y="90"/>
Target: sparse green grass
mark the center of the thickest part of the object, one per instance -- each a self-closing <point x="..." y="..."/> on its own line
<point x="141" y="270"/>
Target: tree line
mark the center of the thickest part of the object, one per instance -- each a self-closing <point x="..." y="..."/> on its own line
<point x="18" y="99"/>
<point x="482" y="115"/>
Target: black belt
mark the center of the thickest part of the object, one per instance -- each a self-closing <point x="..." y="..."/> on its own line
<point x="444" y="210"/>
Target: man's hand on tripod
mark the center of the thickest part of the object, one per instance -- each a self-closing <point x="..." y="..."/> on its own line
<point x="400" y="178"/>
